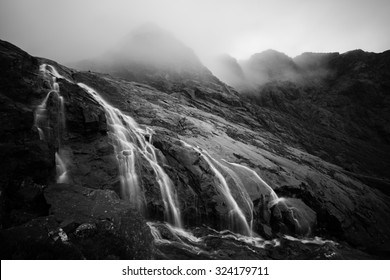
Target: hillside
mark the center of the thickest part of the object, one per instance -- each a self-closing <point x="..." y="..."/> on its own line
<point x="102" y="167"/>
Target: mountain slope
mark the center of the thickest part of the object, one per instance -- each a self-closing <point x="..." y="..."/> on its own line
<point x="333" y="105"/>
<point x="199" y="157"/>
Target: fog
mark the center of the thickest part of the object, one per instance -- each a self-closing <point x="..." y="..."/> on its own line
<point x="72" y="30"/>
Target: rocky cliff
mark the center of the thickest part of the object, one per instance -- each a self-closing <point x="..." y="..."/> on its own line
<point x="98" y="165"/>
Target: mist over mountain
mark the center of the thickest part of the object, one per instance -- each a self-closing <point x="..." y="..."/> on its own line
<point x="145" y="153"/>
<point x="152" y="55"/>
<point x="338" y="96"/>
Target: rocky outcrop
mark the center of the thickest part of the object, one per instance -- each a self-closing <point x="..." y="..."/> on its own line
<point x="83" y="223"/>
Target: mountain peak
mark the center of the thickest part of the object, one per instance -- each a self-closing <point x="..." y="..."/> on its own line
<point x="270" y="53"/>
<point x="151" y="44"/>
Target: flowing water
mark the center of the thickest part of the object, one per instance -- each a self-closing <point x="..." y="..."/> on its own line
<point x="129" y="141"/>
<point x="238" y="184"/>
<point x="43" y="123"/>
<point x="241" y="190"/>
<point x="61" y="171"/>
<point x="264" y="188"/>
<point x="238" y="218"/>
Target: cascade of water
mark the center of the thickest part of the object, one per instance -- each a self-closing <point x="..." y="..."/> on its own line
<point x="128" y="139"/>
<point x="41" y="119"/>
<point x="236" y="212"/>
<point x="40" y="116"/>
<point x="52" y="71"/>
<point x="294" y="213"/>
<point x="241" y="188"/>
<point x="271" y="193"/>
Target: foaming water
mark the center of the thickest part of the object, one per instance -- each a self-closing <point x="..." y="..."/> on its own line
<point x="129" y="141"/>
<point x="236" y="214"/>
<point x="183" y="234"/>
<point x="315" y="240"/>
<point x="211" y="244"/>
<point x="254" y="240"/>
<point x="185" y="240"/>
<point x="179" y="237"/>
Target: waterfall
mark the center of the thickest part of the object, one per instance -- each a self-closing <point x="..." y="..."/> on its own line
<point x="129" y="140"/>
<point x="42" y="122"/>
<point x="241" y="188"/>
<point x="294" y="213"/>
<point x="236" y="214"/>
<point x="40" y="116"/>
<point x="264" y="187"/>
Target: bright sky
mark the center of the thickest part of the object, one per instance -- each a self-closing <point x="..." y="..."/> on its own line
<point x="69" y="30"/>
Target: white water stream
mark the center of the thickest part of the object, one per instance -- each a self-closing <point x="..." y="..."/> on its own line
<point x="129" y="140"/>
<point x="42" y="122"/>
<point x="236" y="213"/>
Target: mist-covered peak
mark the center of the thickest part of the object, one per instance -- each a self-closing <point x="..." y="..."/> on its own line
<point x="271" y="59"/>
<point x="270" y="53"/>
<point x="151" y="44"/>
<point x="270" y="65"/>
<point x="149" y="54"/>
<point x="149" y="33"/>
<point x="225" y="64"/>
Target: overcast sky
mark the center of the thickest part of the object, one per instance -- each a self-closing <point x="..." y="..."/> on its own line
<point x="69" y="30"/>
